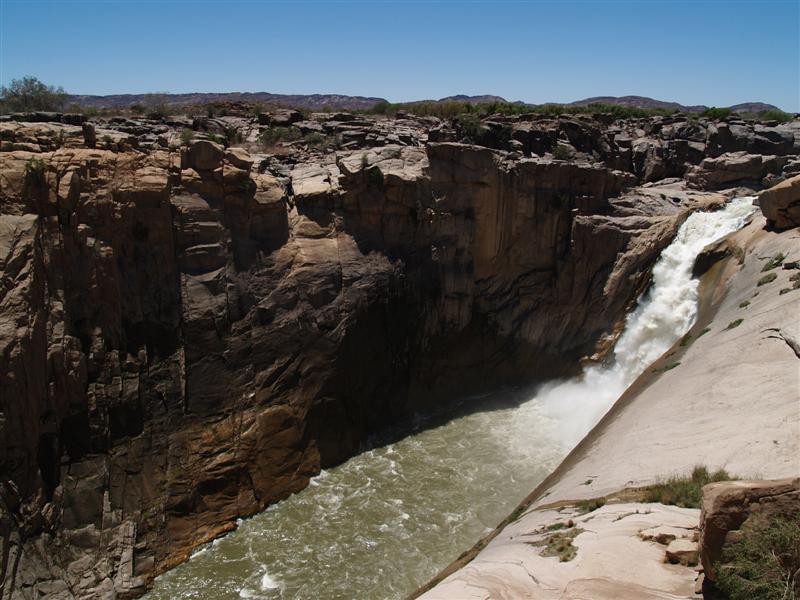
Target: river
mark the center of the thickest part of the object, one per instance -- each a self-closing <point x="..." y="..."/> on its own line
<point x="390" y="518"/>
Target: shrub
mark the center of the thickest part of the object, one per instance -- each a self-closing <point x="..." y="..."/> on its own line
<point x="35" y="171"/>
<point x="587" y="506"/>
<point x="735" y="324"/>
<point x="717" y="113"/>
<point x="186" y="136"/>
<point x="560" y="544"/>
<point x="744" y="304"/>
<point x="765" y="561"/>
<point x="774" y="262"/>
<point x="375" y="178"/>
<point x="767" y="279"/>
<point x="563" y="152"/>
<point x="274" y="135"/>
<point x="684" y="491"/>
<point x="471" y="128"/>
<point x="775" y="115"/>
<point x="29" y="94"/>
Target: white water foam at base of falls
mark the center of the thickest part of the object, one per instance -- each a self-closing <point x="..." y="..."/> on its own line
<point x="389" y="519"/>
<point x="663" y="314"/>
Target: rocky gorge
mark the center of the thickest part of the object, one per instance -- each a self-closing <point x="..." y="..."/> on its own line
<point x="193" y="325"/>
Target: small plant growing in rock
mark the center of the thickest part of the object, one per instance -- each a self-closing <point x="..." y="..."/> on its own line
<point x="375" y="178"/>
<point x="744" y="304"/>
<point x="684" y="491"/>
<point x="774" y="262"/>
<point x="764" y="562"/>
<point x="35" y="171"/>
<point x="563" y="152"/>
<point x="768" y="278"/>
<point x="784" y="291"/>
<point x="587" y="506"/>
<point x="735" y="324"/>
<point x="704" y="331"/>
<point x="186" y="136"/>
<point x="560" y="544"/>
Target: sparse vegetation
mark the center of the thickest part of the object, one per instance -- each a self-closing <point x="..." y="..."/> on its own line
<point x="560" y="544"/>
<point x="30" y="94"/>
<point x="563" y="152"/>
<point x="735" y="324"/>
<point x="274" y="135"/>
<point x="775" y="115"/>
<point x="744" y="304"/>
<point x="684" y="491"/>
<point x="764" y="562"/>
<point x="186" y="136"/>
<point x="686" y="339"/>
<point x="774" y="262"/>
<point x="35" y="172"/>
<point x="587" y="506"/>
<point x="770" y="277"/>
<point x="784" y="291"/>
<point x="704" y="331"/>
<point x="717" y="113"/>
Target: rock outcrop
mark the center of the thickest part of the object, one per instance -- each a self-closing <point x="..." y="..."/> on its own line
<point x="190" y="332"/>
<point x="712" y="406"/>
<point x="781" y="204"/>
<point x="729" y="505"/>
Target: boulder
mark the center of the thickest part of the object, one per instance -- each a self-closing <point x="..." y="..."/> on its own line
<point x="728" y="505"/>
<point x="204" y="155"/>
<point x="682" y="552"/>
<point x="781" y="204"/>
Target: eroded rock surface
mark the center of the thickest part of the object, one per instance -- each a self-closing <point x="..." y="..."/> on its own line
<point x="190" y="332"/>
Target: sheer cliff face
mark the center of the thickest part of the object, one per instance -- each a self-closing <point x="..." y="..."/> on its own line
<point x="186" y="340"/>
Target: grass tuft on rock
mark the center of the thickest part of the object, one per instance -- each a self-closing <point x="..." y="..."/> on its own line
<point x="774" y="262"/>
<point x="560" y="544"/>
<point x="685" y="491"/>
<point x="744" y="304"/>
<point x="764" y="562"/>
<point x="769" y="278"/>
<point x="587" y="506"/>
<point x="735" y="324"/>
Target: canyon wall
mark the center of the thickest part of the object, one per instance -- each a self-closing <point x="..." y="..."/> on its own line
<point x="188" y="336"/>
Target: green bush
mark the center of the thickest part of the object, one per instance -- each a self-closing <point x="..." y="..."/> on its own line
<point x="744" y="304"/>
<point x="775" y="115"/>
<point x="735" y="324"/>
<point x="684" y="491"/>
<point x="186" y="136"/>
<point x="770" y="277"/>
<point x="29" y="94"/>
<point x="717" y="113"/>
<point x="273" y="135"/>
<point x="764" y="563"/>
<point x="35" y="172"/>
<point x="774" y="262"/>
<point x="563" y="152"/>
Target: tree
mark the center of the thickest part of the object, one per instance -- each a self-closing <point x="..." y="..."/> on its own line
<point x="29" y="94"/>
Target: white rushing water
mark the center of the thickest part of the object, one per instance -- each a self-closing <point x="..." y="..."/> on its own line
<point x="665" y="313"/>
<point x="387" y="520"/>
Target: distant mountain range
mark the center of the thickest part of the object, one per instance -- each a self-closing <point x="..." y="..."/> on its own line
<point x="310" y="101"/>
<point x="343" y="102"/>
<point x="651" y="103"/>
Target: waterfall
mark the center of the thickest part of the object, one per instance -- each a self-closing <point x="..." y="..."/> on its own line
<point x="387" y="520"/>
<point x="663" y="314"/>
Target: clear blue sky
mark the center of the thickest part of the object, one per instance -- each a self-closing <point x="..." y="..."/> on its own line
<point x="711" y="52"/>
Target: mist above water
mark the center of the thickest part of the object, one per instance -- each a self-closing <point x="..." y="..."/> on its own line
<point x="387" y="520"/>
<point x="663" y="314"/>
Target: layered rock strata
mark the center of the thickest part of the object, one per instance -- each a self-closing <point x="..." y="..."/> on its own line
<point x="188" y="334"/>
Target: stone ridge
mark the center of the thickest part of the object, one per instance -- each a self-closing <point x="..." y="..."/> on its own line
<point x="189" y="331"/>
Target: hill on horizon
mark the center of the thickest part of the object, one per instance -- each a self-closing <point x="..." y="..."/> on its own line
<point x="346" y="102"/>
